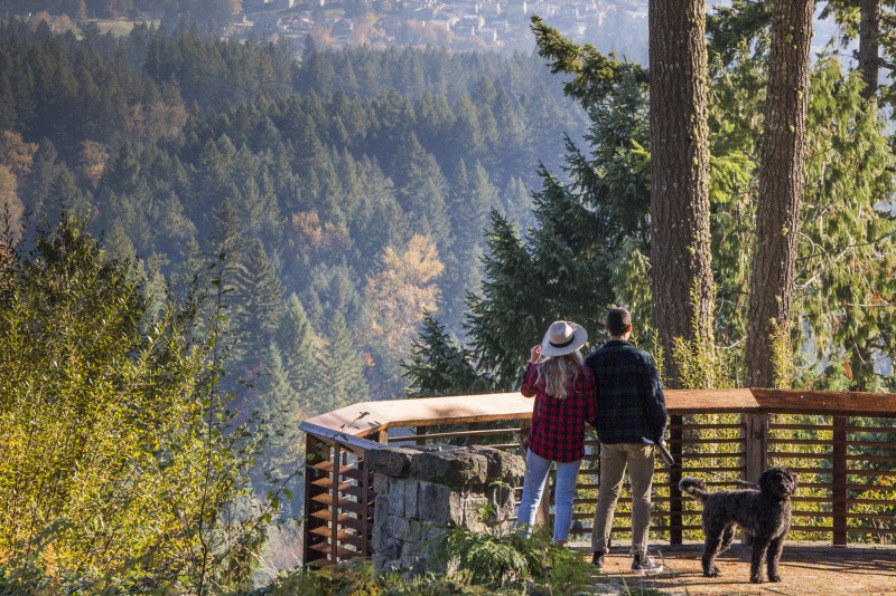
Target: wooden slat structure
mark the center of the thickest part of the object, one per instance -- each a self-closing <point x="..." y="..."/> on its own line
<point x="842" y="446"/>
<point x="338" y="496"/>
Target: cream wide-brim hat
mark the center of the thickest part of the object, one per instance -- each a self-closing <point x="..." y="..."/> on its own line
<point x="562" y="338"/>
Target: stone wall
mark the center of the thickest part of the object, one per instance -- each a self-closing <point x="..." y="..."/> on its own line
<point x="422" y="492"/>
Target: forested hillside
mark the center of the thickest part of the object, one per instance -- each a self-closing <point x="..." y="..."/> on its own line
<point x="346" y="191"/>
<point x="328" y="201"/>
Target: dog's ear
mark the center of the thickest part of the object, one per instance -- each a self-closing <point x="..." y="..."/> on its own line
<point x="765" y="480"/>
<point x="792" y="477"/>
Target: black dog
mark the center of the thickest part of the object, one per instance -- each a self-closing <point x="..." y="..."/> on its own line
<point x="763" y="514"/>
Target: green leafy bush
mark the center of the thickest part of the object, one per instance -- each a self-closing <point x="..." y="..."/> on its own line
<point x="358" y="578"/>
<point x="120" y="469"/>
<point x="508" y="558"/>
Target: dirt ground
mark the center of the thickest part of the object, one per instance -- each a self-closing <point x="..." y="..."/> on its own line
<point x="806" y="570"/>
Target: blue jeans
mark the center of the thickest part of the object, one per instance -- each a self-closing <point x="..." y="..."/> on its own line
<point x="537" y="469"/>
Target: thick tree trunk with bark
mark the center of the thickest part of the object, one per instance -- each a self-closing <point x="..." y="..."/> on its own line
<point x="681" y="277"/>
<point x="869" y="42"/>
<point x="780" y="187"/>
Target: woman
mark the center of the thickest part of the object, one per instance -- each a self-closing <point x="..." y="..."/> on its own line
<point x="564" y="401"/>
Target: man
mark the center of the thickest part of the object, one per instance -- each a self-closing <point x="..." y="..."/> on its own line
<point x="631" y="418"/>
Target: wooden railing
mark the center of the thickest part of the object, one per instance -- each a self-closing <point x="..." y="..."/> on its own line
<point x="841" y="445"/>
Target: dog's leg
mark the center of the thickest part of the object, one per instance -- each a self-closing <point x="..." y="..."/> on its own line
<point x="775" y="548"/>
<point x="711" y="548"/>
<point x="727" y="538"/>
<point x="760" y="550"/>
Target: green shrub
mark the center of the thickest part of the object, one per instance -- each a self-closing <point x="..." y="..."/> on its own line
<point x="121" y="468"/>
<point x="508" y="558"/>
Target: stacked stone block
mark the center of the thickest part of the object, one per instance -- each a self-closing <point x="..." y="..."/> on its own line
<point x="422" y="492"/>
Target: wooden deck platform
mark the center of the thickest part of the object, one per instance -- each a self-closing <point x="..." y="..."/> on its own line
<point x="806" y="568"/>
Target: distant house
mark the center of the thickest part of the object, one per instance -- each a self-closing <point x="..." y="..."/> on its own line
<point x="444" y="24"/>
<point x="470" y="23"/>
<point x="491" y="10"/>
<point x="241" y="26"/>
<point x="424" y="13"/>
<point x="570" y="12"/>
<point x="343" y="32"/>
<point x="410" y="7"/>
<point x="487" y="34"/>
<point x="391" y="25"/>
<point x="467" y="5"/>
<point x="302" y="26"/>
<point x="266" y="23"/>
<point x="501" y="26"/>
<point x="544" y="8"/>
<point x="518" y="12"/>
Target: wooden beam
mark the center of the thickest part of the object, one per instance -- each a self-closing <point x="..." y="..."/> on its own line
<point x="790" y="401"/>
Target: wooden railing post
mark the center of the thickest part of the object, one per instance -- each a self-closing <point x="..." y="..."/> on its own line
<point x="314" y="520"/>
<point x="525" y="426"/>
<point x="334" y="504"/>
<point x="367" y="506"/>
<point x="338" y="496"/>
<point x="755" y="451"/>
<point x="756" y="445"/>
<point x="839" y="471"/>
<point x="676" y="520"/>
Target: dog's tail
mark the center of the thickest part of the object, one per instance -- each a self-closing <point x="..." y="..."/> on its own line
<point x="693" y="487"/>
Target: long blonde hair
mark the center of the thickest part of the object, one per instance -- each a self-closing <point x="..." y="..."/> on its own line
<point x="556" y="372"/>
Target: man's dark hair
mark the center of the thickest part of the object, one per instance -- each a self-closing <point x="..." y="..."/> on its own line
<point x="618" y="321"/>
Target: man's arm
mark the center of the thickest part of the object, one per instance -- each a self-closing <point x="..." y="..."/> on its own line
<point x="654" y="399"/>
<point x="591" y="397"/>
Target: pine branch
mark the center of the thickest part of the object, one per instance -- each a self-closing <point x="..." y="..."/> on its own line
<point x="595" y="75"/>
<point x="840" y="251"/>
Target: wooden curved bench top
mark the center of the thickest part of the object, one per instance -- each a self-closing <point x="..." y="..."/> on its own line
<point x="364" y="418"/>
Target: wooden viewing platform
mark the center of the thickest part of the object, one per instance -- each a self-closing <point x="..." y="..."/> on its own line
<point x="841" y="445"/>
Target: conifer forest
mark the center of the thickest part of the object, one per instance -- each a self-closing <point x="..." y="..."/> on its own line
<point x="205" y="241"/>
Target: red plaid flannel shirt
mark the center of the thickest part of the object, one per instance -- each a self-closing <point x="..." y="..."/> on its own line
<point x="558" y="425"/>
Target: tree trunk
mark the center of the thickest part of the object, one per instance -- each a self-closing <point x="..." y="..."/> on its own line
<point x="869" y="42"/>
<point x="780" y="188"/>
<point x="681" y="277"/>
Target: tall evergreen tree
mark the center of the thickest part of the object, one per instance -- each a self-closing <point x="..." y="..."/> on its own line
<point x="219" y="268"/>
<point x="472" y="198"/>
<point x="423" y="196"/>
<point x="259" y="296"/>
<point x="681" y="276"/>
<point x="780" y="188"/>
<point x="298" y="348"/>
<point x="438" y="366"/>
<point x="869" y="45"/>
<point x="343" y="372"/>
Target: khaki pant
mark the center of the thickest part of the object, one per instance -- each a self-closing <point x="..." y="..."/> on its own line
<point x="614" y="459"/>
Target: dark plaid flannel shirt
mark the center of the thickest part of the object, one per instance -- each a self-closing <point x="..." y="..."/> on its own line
<point x="558" y="425"/>
<point x="629" y="394"/>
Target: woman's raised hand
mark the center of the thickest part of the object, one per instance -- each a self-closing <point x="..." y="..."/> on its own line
<point x="536" y="354"/>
